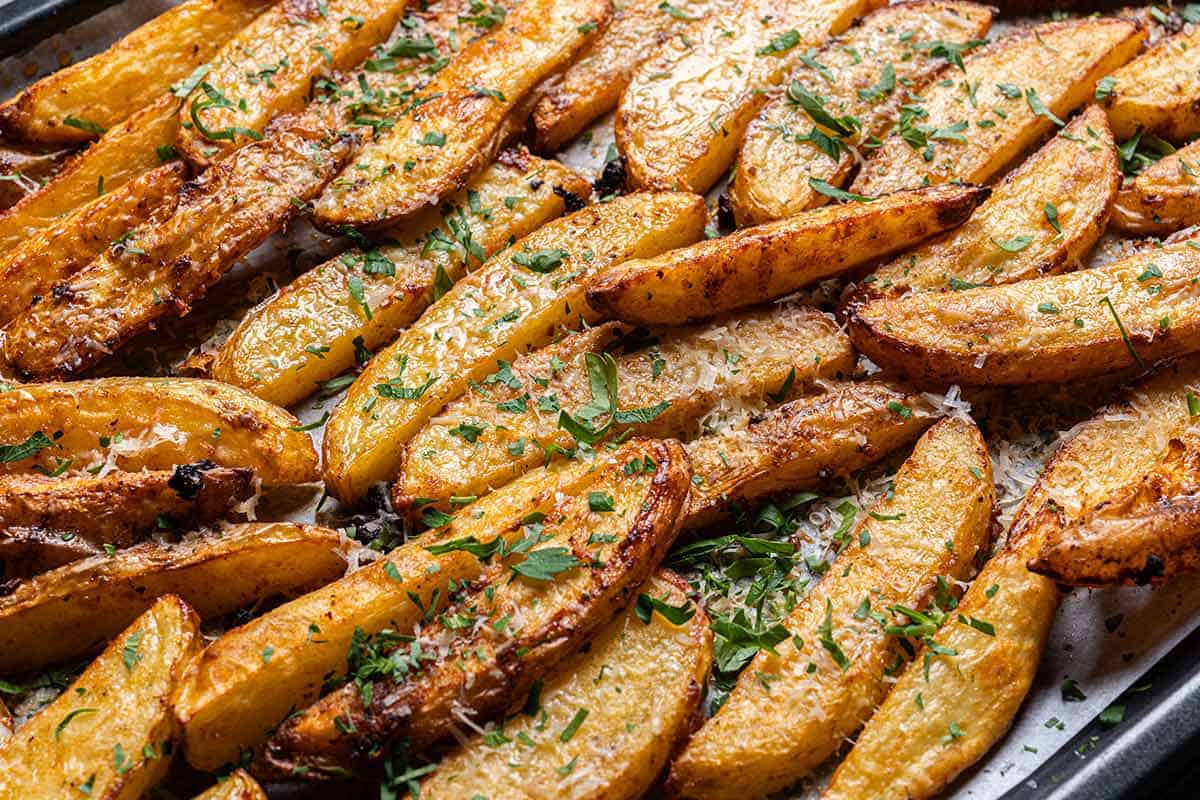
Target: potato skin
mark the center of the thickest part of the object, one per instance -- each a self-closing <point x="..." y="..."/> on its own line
<point x="1163" y="198"/>
<point x="237" y="786"/>
<point x="1159" y="91"/>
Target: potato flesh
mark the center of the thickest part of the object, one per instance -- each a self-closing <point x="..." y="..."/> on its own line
<point x="154" y="423"/>
<point x="454" y="345"/>
<point x="1163" y="198"/>
<point x="1049" y="329"/>
<point x="640" y="683"/>
<point x="1059" y="61"/>
<point x="51" y="756"/>
<point x="686" y="108"/>
<point x="1159" y="91"/>
<point x="272" y="351"/>
<point x="1076" y="173"/>
<point x="774" y="167"/>
<point x="932" y="526"/>
<point x="237" y="786"/>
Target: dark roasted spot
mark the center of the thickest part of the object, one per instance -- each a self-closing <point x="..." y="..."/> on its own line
<point x="572" y="201"/>
<point x="612" y="178"/>
<point x="1154" y="568"/>
<point x="188" y="479"/>
<point x="725" y="220"/>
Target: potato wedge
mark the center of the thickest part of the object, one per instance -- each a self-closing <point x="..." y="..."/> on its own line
<point x="268" y="69"/>
<point x="304" y="335"/>
<point x="682" y="117"/>
<point x="533" y="611"/>
<point x="866" y="74"/>
<point x="640" y="683"/>
<point x="801" y="443"/>
<point x="6" y="723"/>
<point x="68" y="611"/>
<point x="172" y="260"/>
<point x="27" y="169"/>
<point x="127" y="150"/>
<point x="56" y="252"/>
<point x="1022" y="83"/>
<point x="47" y="522"/>
<point x="1133" y="312"/>
<point x="79" y="102"/>
<point x="238" y="786"/>
<point x="735" y="360"/>
<point x="231" y="698"/>
<point x="523" y="305"/>
<point x="150" y="423"/>
<point x="459" y="127"/>
<point x="1043" y="218"/>
<point x="110" y="733"/>
<point x="1159" y="91"/>
<point x="1163" y="198"/>
<point x="931" y="527"/>
<point x="754" y="265"/>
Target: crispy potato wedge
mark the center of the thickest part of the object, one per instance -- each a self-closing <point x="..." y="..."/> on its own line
<point x="170" y="262"/>
<point x="753" y="265"/>
<point x="6" y="723"/>
<point x="641" y="683"/>
<point x="531" y="613"/>
<point x="735" y="360"/>
<point x="238" y="786"/>
<point x="46" y="522"/>
<point x="1133" y="312"/>
<point x="1023" y="81"/>
<point x="1163" y="198"/>
<point x="79" y="102"/>
<point x="127" y="150"/>
<point x="801" y="443"/>
<point x="110" y="734"/>
<point x="27" y="169"/>
<point x="1159" y="91"/>
<point x="433" y="150"/>
<point x="683" y="114"/>
<point x="68" y="611"/>
<point x="268" y="68"/>
<point x="1043" y="218"/>
<point x="932" y="526"/>
<point x="56" y="252"/>
<point x="866" y="74"/>
<point x="151" y="423"/>
<point x="305" y="335"/>
<point x="522" y="308"/>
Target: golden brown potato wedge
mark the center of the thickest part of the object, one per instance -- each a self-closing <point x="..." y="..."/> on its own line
<point x="566" y="579"/>
<point x="681" y="119"/>
<point x="1159" y="91"/>
<point x="866" y="75"/>
<point x="929" y="528"/>
<point x="79" y="102"/>
<point x="666" y="383"/>
<point x="1163" y="198"/>
<point x="1021" y="84"/>
<point x="459" y="126"/>
<point x="27" y="169"/>
<point x="238" y="786"/>
<point x="172" y="260"/>
<point x="640" y="682"/>
<point x="150" y="423"/>
<point x="56" y="252"/>
<point x="70" y="610"/>
<point x="110" y="734"/>
<point x="768" y="261"/>
<point x="306" y="334"/>
<point x="515" y="302"/>
<point x="135" y="146"/>
<point x="268" y="69"/>
<point x="1043" y="218"/>
<point x="801" y="443"/>
<point x="1133" y="312"/>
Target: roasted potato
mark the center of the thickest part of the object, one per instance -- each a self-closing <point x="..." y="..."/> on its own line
<point x="1163" y="198"/>
<point x="930" y="527"/>
<point x="1159" y="91"/>
<point x="6" y="723"/>
<point x="306" y="334"/>
<point x="27" y="169"/>
<point x="682" y="116"/>
<point x="110" y="734"/>
<point x="237" y="786"/>
<point x="70" y="610"/>
<point x="528" y="611"/>
<point x="79" y="102"/>
<point x="865" y="75"/>
<point x="768" y="261"/>
<point x="150" y="423"/>
<point x="523" y="295"/>
<point x="639" y="682"/>
<point x="1043" y="218"/>
<point x="1133" y="312"/>
<point x="1021" y="84"/>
